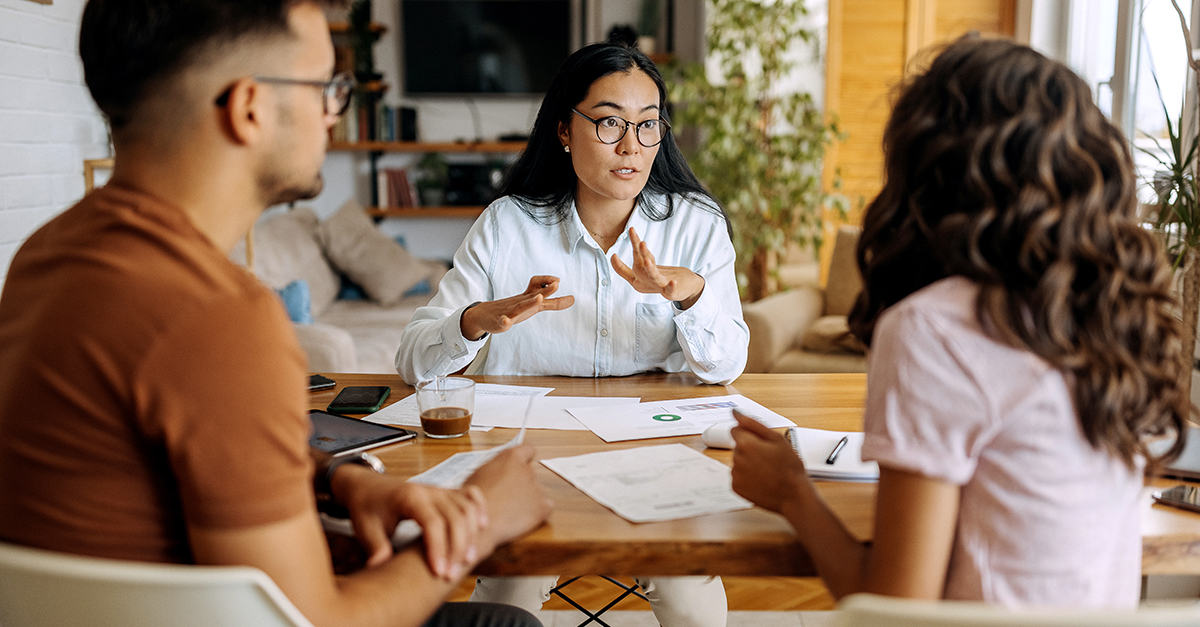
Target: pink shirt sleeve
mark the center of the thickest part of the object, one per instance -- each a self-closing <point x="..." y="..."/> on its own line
<point x="927" y="410"/>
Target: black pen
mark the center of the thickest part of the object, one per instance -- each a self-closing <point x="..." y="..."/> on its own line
<point x="837" y="449"/>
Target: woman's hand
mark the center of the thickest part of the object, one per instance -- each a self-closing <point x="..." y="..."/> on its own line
<point x="452" y="520"/>
<point x="498" y="316"/>
<point x="766" y="469"/>
<point x="676" y="284"/>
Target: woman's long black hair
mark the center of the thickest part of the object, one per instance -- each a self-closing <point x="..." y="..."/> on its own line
<point x="543" y="178"/>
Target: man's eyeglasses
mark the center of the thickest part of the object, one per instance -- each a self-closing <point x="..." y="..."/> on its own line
<point x="610" y="129"/>
<point x="336" y="91"/>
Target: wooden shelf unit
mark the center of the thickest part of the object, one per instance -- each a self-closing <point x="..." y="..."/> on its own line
<point x="458" y="147"/>
<point x="375" y="149"/>
<point x="425" y="212"/>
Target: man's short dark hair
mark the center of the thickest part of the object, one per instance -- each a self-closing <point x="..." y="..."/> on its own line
<point x="127" y="45"/>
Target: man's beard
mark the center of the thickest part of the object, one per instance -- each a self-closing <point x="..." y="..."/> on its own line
<point x="275" y="190"/>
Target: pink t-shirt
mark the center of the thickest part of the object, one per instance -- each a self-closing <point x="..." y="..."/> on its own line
<point x="1044" y="518"/>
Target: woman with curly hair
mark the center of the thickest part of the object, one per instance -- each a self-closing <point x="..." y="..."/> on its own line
<point x="1022" y="349"/>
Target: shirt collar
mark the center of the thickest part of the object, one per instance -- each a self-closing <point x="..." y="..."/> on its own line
<point x="573" y="229"/>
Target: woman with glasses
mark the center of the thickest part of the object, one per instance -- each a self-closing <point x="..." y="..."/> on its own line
<point x="603" y="257"/>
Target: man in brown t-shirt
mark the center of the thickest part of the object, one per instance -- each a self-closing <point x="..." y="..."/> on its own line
<point x="151" y="392"/>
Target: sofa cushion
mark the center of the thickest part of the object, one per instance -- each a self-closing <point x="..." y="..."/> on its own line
<point x="829" y="334"/>
<point x="844" y="281"/>
<point x="368" y="257"/>
<point x="286" y="249"/>
<point x="297" y="302"/>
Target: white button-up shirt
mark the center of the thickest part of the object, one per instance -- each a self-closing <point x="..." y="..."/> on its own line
<point x="611" y="330"/>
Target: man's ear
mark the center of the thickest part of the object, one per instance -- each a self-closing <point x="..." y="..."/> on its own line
<point x="245" y="112"/>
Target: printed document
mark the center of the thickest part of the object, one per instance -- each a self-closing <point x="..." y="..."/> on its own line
<point x="494" y="404"/>
<point x="664" y="419"/>
<point x="652" y="483"/>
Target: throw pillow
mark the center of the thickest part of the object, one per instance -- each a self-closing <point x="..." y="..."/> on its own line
<point x="831" y="334"/>
<point x="296" y="300"/>
<point x="368" y="257"/>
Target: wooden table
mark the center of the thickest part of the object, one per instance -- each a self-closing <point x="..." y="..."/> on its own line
<point x="584" y="537"/>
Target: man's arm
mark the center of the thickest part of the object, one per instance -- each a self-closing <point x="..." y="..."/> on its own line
<point x="401" y="590"/>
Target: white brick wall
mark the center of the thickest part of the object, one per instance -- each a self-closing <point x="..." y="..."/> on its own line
<point x="48" y="123"/>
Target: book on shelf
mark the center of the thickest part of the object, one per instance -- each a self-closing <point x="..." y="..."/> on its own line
<point x="816" y="447"/>
<point x="395" y="189"/>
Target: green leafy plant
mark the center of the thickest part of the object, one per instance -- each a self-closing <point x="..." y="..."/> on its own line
<point x="761" y="147"/>
<point x="1178" y="215"/>
<point x="434" y="171"/>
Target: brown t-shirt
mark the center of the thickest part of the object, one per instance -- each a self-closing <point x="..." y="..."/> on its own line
<point x="146" y="383"/>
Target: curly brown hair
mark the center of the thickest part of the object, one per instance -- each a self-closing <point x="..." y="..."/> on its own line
<point x="1000" y="169"/>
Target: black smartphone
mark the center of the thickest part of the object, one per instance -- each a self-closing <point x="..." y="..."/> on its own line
<point x="360" y="399"/>
<point x="342" y="435"/>
<point x="1182" y="496"/>
<point x="318" y="382"/>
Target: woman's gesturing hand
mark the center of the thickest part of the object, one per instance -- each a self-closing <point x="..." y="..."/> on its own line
<point x="677" y="284"/>
<point x="498" y="316"/>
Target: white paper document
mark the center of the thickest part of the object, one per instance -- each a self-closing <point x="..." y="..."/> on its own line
<point x="553" y="412"/>
<point x="652" y="483"/>
<point x="457" y="468"/>
<point x="495" y="406"/>
<point x="664" y="419"/>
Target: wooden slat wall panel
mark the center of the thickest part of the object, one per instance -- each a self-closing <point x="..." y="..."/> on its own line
<point x="869" y="44"/>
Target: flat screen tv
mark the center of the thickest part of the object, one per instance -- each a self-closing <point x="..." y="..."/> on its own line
<point x="458" y="47"/>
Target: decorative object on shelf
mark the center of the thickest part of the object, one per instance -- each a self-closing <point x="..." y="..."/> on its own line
<point x="434" y="173"/>
<point x="649" y="19"/>
<point x="1178" y="215"/>
<point x="762" y="148"/>
<point x="363" y="39"/>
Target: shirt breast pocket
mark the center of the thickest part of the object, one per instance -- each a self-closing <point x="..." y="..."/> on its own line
<point x="655" y="339"/>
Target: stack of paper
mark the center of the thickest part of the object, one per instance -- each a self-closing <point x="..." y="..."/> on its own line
<point x="652" y="483"/>
<point x="815" y="446"/>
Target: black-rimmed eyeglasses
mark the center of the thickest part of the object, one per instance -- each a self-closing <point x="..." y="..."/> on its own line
<point x="336" y="91"/>
<point x="610" y="129"/>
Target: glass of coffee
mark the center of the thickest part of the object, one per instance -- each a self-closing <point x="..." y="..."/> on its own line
<point x="446" y="404"/>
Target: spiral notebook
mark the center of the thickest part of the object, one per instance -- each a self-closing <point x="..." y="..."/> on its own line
<point x="815" y="447"/>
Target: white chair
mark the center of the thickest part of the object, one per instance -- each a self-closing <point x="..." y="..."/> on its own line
<point x="41" y="588"/>
<point x="869" y="610"/>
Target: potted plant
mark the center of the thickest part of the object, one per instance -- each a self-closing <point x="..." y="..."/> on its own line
<point x="1178" y="212"/>
<point x="761" y="147"/>
<point x="433" y="175"/>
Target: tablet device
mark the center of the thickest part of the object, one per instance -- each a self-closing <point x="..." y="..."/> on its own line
<point x="1187" y="465"/>
<point x="341" y="435"/>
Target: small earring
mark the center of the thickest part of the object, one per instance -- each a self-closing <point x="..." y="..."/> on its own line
<point x="566" y="149"/>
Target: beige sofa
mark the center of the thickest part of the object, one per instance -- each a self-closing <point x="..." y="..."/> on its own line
<point x="346" y="335"/>
<point x="804" y="329"/>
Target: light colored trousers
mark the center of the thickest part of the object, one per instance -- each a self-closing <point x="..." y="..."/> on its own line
<point x="676" y="601"/>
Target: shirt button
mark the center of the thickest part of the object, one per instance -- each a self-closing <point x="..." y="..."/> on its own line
<point x="457" y="347"/>
<point x="604" y="282"/>
<point x="604" y="332"/>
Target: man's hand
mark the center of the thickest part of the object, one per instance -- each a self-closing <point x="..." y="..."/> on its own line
<point x="676" y="284"/>
<point x="498" y="316"/>
<point x="766" y="469"/>
<point x="515" y="502"/>
<point x="452" y="520"/>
